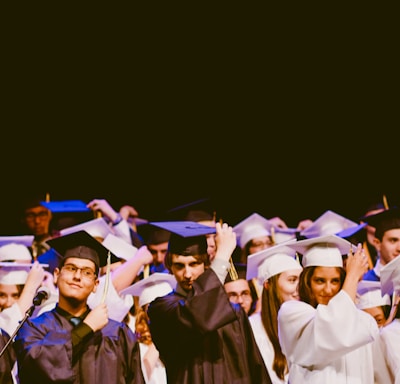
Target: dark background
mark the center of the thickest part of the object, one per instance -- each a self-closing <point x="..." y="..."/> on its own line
<point x="285" y="112"/>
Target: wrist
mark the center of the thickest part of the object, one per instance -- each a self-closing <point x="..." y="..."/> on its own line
<point x="117" y="220"/>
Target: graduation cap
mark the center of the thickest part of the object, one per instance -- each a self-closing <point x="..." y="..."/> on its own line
<point x="152" y="235"/>
<point x="200" y="211"/>
<point x="97" y="228"/>
<point x="322" y="251"/>
<point x="187" y="237"/>
<point x="14" y="273"/>
<point x="384" y="221"/>
<point x="26" y="240"/>
<point x="83" y="246"/>
<point x="119" y="247"/>
<point x="271" y="261"/>
<point x="369" y="295"/>
<point x="252" y="226"/>
<point x="390" y="277"/>
<point x="15" y="252"/>
<point x="282" y="235"/>
<point x="329" y="223"/>
<point x="351" y="231"/>
<point x="147" y="289"/>
<point x="63" y="206"/>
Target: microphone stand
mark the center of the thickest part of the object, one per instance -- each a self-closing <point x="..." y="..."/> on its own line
<point x="28" y="313"/>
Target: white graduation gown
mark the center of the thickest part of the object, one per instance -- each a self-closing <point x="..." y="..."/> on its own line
<point x="265" y="346"/>
<point x="390" y="341"/>
<point x="329" y="344"/>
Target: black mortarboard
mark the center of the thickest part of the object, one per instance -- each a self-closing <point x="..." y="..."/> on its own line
<point x="187" y="237"/>
<point x="81" y="245"/>
<point x="152" y="235"/>
<point x="384" y="221"/>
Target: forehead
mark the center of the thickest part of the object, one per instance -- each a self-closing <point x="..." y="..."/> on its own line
<point x="292" y="272"/>
<point x="327" y="272"/>
<point x="38" y="208"/>
<point x="158" y="246"/>
<point x="183" y="259"/>
<point x="237" y="285"/>
<point x="80" y="262"/>
<point x="259" y="238"/>
<point x="392" y="233"/>
<point x="8" y="288"/>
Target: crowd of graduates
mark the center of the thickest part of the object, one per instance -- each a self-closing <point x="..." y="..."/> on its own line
<point x="193" y="299"/>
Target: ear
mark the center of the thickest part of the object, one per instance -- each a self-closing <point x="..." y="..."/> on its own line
<point x="377" y="243"/>
<point x="266" y="284"/>
<point x="56" y="273"/>
<point x="96" y="284"/>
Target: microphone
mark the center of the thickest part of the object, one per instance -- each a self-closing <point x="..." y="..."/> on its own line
<point x="42" y="294"/>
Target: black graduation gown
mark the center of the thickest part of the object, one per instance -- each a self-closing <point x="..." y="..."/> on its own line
<point x="203" y="338"/>
<point x="44" y="353"/>
<point x="7" y="360"/>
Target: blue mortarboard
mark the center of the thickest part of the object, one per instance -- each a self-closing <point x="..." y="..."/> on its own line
<point x="64" y="206"/>
<point x="187" y="237"/>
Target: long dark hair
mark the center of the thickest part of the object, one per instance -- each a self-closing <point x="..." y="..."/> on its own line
<point x="270" y="304"/>
<point x="305" y="291"/>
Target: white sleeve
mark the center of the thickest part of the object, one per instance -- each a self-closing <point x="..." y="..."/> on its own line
<point x="118" y="306"/>
<point x="317" y="336"/>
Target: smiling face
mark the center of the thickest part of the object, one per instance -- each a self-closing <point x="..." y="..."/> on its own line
<point x="75" y="281"/>
<point x="325" y="283"/>
<point x="9" y="294"/>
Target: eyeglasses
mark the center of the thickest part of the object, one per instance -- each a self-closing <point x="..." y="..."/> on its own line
<point x="41" y="215"/>
<point x="234" y="296"/>
<point x="86" y="272"/>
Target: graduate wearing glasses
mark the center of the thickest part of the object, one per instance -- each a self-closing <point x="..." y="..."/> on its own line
<point x="75" y="343"/>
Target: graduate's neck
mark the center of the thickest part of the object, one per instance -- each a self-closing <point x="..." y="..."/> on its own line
<point x="72" y="306"/>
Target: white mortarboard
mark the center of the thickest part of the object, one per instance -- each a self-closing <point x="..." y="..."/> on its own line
<point x="96" y="228"/>
<point x="369" y="295"/>
<point x="15" y="252"/>
<point x="14" y="273"/>
<point x="26" y="240"/>
<point x="390" y="277"/>
<point x="64" y="206"/>
<point x="271" y="261"/>
<point x="329" y="223"/>
<point x="252" y="226"/>
<point x="284" y="234"/>
<point x="119" y="247"/>
<point x="155" y="285"/>
<point x="323" y="251"/>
